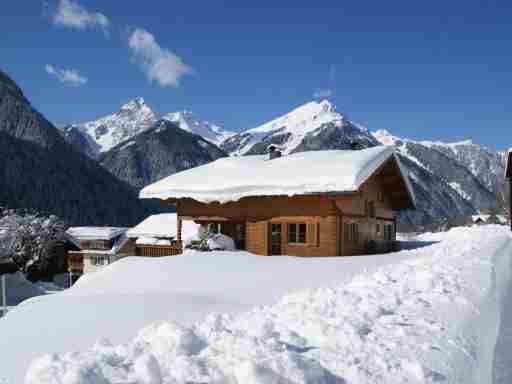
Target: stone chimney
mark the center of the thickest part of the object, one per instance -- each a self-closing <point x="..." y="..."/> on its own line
<point x="273" y="152"/>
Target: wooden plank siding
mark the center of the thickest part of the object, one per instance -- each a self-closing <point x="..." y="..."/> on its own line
<point x="160" y="250"/>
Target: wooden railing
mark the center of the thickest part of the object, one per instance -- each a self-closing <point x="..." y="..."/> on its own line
<point x="75" y="262"/>
<point x="160" y="250"/>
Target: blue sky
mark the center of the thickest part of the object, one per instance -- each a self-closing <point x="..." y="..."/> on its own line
<point x="439" y="70"/>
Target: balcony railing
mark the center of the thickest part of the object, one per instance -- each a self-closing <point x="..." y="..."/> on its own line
<point x="160" y="250"/>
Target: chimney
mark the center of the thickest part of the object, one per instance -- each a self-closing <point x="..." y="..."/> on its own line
<point x="273" y="152"/>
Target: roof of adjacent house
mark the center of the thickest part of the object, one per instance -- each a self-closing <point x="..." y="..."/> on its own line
<point x="95" y="233"/>
<point x="161" y="226"/>
<point x="508" y="172"/>
<point x="502" y="219"/>
<point x="313" y="172"/>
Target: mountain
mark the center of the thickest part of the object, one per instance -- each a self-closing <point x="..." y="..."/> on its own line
<point x="98" y="136"/>
<point x="190" y="122"/>
<point x="39" y="170"/>
<point x="159" y="151"/>
<point x="451" y="179"/>
<point x="312" y="126"/>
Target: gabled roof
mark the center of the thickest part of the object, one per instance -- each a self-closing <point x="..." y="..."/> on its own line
<point x="508" y="172"/>
<point x="314" y="172"/>
<point x="95" y="233"/>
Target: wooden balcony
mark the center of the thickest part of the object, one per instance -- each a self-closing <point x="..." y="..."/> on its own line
<point x="160" y="250"/>
<point x="75" y="262"/>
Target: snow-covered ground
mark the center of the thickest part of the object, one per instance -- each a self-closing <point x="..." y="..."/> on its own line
<point x="423" y="315"/>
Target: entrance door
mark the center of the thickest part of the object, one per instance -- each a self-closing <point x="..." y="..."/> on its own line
<point x="275" y="239"/>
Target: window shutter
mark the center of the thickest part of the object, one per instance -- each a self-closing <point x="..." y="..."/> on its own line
<point x="312" y="234"/>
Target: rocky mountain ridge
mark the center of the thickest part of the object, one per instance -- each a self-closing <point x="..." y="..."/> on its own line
<point x="40" y="171"/>
<point x="99" y="136"/>
<point x="157" y="152"/>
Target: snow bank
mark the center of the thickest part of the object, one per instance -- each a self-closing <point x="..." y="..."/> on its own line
<point x="221" y="242"/>
<point x="125" y="296"/>
<point x="425" y="320"/>
<point x="232" y="178"/>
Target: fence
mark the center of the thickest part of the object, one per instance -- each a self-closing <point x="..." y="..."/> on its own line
<point x="160" y="250"/>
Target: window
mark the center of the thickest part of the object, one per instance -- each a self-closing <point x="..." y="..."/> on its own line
<point x="388" y="232"/>
<point x="371" y="209"/>
<point x="352" y="232"/>
<point x="94" y="244"/>
<point x="297" y="233"/>
<point x="99" y="260"/>
<point x="378" y="228"/>
<point x="214" y="228"/>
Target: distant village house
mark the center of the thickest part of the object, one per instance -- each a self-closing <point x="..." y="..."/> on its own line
<point x="318" y="203"/>
<point x="96" y="247"/>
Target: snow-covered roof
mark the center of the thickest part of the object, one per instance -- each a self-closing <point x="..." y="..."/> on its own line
<point x="162" y="226"/>
<point x="500" y="218"/>
<point x="152" y="241"/>
<point x="232" y="178"/>
<point x="95" y="233"/>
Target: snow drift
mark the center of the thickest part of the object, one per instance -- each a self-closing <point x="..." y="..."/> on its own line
<point x="422" y="320"/>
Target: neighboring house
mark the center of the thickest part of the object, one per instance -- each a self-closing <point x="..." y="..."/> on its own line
<point x="157" y="235"/>
<point x="318" y="203"/>
<point x="508" y="176"/>
<point x="97" y="247"/>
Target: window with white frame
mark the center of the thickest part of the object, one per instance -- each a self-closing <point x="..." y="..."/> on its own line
<point x="99" y="260"/>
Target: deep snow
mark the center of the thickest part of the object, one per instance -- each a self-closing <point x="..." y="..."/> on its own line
<point x="429" y="316"/>
<point x="131" y="293"/>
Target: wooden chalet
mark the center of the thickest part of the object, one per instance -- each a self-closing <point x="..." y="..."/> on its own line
<point x="318" y="203"/>
<point x="95" y="248"/>
<point x="508" y="176"/>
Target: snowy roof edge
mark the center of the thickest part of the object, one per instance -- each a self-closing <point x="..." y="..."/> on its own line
<point x="81" y="233"/>
<point x="361" y="177"/>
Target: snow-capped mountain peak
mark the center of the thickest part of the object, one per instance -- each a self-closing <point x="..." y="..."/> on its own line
<point x="385" y="137"/>
<point x="100" y="135"/>
<point x="192" y="123"/>
<point x="134" y="104"/>
<point x="313" y="125"/>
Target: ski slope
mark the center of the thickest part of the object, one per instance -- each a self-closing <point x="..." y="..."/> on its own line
<point x="424" y="315"/>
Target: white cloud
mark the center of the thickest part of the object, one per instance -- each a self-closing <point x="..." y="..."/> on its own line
<point x="160" y="65"/>
<point x="69" y="77"/>
<point x="323" y="93"/>
<point x="72" y="15"/>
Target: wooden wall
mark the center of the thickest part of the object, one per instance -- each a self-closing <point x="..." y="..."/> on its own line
<point x="258" y="208"/>
<point x="257" y="237"/>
